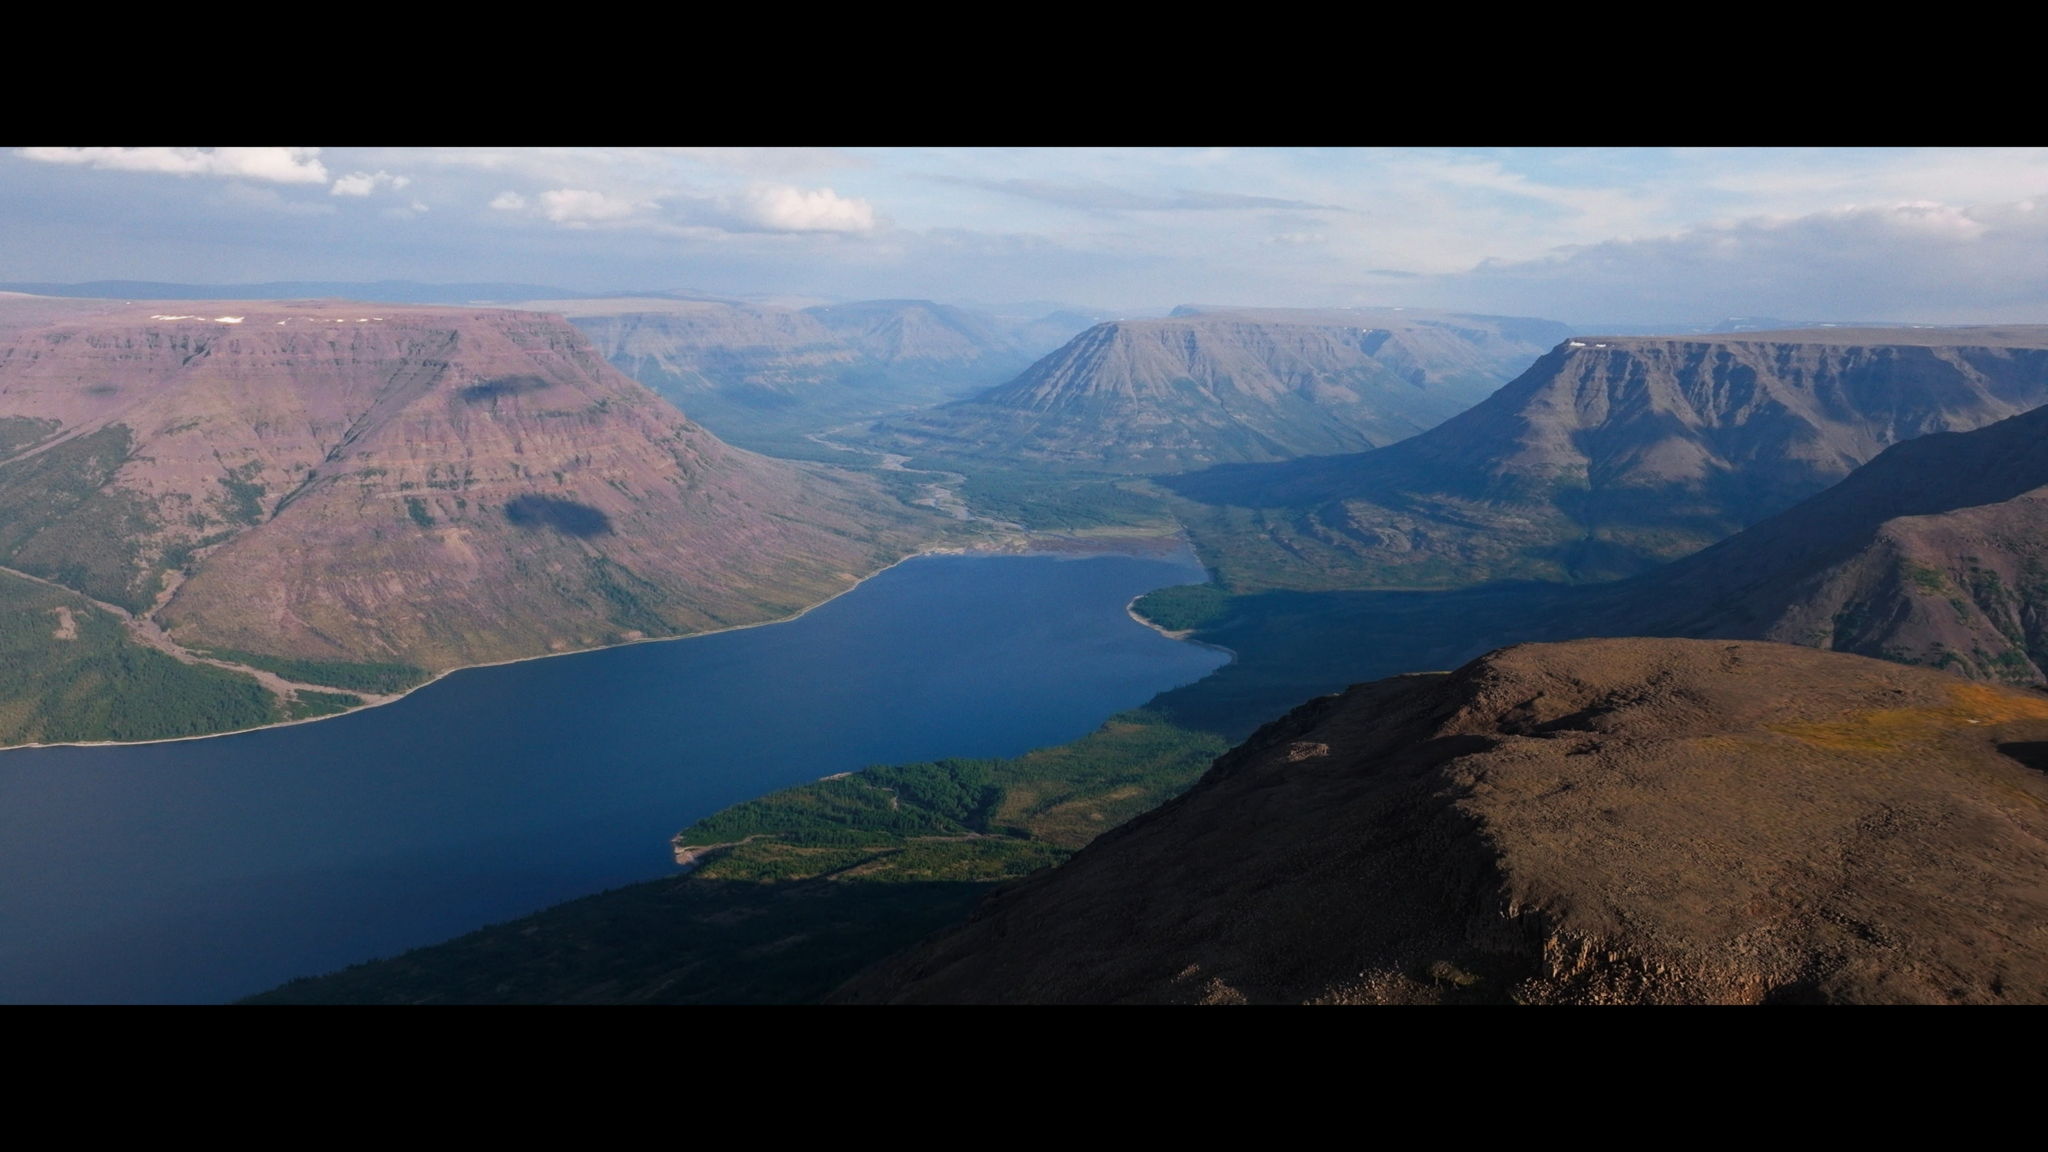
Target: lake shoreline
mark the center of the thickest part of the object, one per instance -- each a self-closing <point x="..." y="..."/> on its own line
<point x="1024" y="544"/>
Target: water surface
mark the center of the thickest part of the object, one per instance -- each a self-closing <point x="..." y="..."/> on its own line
<point x="208" y="869"/>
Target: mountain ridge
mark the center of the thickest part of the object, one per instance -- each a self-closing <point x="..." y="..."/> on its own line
<point x="1610" y="455"/>
<point x="1203" y="385"/>
<point x="1597" y="821"/>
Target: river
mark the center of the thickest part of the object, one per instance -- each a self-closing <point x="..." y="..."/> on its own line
<point x="203" y="870"/>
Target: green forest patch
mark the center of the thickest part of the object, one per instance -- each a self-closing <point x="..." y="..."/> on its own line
<point x="808" y="885"/>
<point x="98" y="684"/>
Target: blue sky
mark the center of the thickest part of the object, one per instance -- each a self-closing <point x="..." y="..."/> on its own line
<point x="1578" y="234"/>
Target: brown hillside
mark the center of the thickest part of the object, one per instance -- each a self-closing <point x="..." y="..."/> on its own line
<point x="434" y="486"/>
<point x="1600" y="821"/>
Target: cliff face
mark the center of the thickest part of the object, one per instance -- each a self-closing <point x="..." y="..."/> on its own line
<point x="1609" y="456"/>
<point x="1230" y="385"/>
<point x="1601" y="821"/>
<point x="433" y="486"/>
<point x="1936" y="552"/>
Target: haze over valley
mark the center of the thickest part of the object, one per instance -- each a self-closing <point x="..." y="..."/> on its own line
<point x="1407" y="576"/>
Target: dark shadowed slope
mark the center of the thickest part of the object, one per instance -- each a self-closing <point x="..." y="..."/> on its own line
<point x="1934" y="553"/>
<point x="1602" y="821"/>
<point x="1205" y="386"/>
<point x="1609" y="456"/>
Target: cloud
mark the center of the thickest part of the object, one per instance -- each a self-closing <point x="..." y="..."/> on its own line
<point x="276" y="165"/>
<point x="1100" y="197"/>
<point x="580" y="208"/>
<point x="773" y="163"/>
<point x="782" y="208"/>
<point x="364" y="183"/>
<point x="680" y="213"/>
<point x="1914" y="260"/>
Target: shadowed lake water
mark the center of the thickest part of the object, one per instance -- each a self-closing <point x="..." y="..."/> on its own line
<point x="210" y="869"/>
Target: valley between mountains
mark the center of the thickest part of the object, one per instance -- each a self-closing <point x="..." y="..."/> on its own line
<point x="1566" y="667"/>
<point x="1865" y="491"/>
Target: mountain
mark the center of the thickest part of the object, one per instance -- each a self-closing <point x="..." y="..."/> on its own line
<point x="1601" y="821"/>
<point x="331" y="484"/>
<point x="1935" y="552"/>
<point x="763" y="374"/>
<point x="1609" y="456"/>
<point x="907" y="333"/>
<point x="1209" y="385"/>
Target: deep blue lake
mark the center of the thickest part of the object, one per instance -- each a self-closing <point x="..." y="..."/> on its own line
<point x="210" y="869"/>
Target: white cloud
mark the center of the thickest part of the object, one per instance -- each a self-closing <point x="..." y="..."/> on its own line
<point x="277" y="165"/>
<point x="509" y="202"/>
<point x="773" y="163"/>
<point x="1915" y="260"/>
<point x="781" y="208"/>
<point x="364" y="183"/>
<point x="580" y="208"/>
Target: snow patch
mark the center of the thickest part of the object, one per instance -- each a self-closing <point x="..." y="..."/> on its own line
<point x="229" y="319"/>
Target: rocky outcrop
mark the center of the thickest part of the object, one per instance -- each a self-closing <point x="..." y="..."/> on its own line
<point x="430" y="486"/>
<point x="1205" y="386"/>
<point x="1612" y="455"/>
<point x="1601" y="821"/>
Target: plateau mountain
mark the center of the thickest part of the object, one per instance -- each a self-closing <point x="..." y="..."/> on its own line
<point x="306" y="486"/>
<point x="1609" y="456"/>
<point x="1209" y="385"/>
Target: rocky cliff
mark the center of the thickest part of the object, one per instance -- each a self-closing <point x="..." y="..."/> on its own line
<point x="1611" y="455"/>
<point x="1205" y="386"/>
<point x="422" y="485"/>
<point x="1602" y="821"/>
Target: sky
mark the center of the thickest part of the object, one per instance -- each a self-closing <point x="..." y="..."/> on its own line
<point x="1582" y="235"/>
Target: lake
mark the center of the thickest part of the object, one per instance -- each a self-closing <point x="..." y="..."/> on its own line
<point x="209" y="869"/>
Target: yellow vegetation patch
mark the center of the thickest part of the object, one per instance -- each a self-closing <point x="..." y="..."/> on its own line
<point x="1987" y="702"/>
<point x="1890" y="729"/>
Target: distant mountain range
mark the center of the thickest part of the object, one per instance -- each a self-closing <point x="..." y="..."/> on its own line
<point x="1212" y="385"/>
<point x="1610" y="456"/>
<point x="387" y="291"/>
<point x="1598" y="822"/>
<point x="758" y="373"/>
